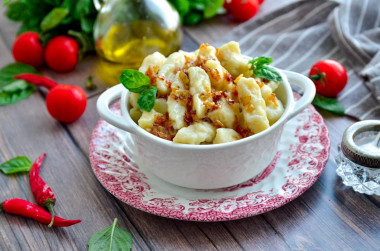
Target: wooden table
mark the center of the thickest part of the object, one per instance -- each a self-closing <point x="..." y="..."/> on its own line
<point x="328" y="216"/>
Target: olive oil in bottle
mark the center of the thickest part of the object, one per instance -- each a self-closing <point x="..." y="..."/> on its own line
<point x="126" y="31"/>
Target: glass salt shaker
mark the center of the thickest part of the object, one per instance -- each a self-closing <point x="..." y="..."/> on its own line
<point x="359" y="157"/>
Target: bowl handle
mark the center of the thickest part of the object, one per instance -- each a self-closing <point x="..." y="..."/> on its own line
<point x="103" y="107"/>
<point x="308" y="88"/>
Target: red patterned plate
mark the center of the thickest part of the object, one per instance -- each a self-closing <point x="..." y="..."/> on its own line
<point x="300" y="160"/>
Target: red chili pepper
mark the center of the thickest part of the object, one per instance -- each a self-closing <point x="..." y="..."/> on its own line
<point x="41" y="191"/>
<point x="30" y="210"/>
<point x="37" y="80"/>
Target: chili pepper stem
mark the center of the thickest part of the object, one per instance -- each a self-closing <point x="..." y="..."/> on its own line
<point x="49" y="204"/>
<point x="1" y="206"/>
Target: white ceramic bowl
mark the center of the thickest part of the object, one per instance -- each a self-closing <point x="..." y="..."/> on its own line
<point x="208" y="166"/>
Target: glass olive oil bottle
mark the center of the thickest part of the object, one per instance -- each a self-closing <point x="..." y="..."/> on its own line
<point x="126" y="31"/>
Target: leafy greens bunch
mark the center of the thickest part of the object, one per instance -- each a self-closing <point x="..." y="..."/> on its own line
<point x="51" y="18"/>
<point x="193" y="11"/>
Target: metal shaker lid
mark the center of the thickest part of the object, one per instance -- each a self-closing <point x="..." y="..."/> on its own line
<point x="361" y="143"/>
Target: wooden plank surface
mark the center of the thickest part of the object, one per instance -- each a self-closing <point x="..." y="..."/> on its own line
<point x="329" y="216"/>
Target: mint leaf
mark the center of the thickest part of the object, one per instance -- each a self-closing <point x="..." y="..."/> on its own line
<point x="54" y="18"/>
<point x="328" y="104"/>
<point x="16" y="165"/>
<point x="134" y="81"/>
<point x="260" y="67"/>
<point x="110" y="238"/>
<point x="212" y="7"/>
<point x="147" y="99"/>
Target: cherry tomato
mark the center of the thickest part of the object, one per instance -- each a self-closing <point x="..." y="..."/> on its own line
<point x="242" y="10"/>
<point x="61" y="54"/>
<point x="28" y="49"/>
<point x="66" y="103"/>
<point x="329" y="77"/>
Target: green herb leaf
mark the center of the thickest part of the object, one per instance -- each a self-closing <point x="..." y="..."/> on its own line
<point x="134" y="81"/>
<point x="7" y="2"/>
<point x="12" y="90"/>
<point x="87" y="24"/>
<point x="182" y="6"/>
<point x="16" y="93"/>
<point x="8" y="72"/>
<point x="110" y="238"/>
<point x="17" y="11"/>
<point x="211" y="8"/>
<point x="260" y="67"/>
<point x="53" y="2"/>
<point x="54" y="18"/>
<point x="192" y="18"/>
<point x="147" y="99"/>
<point x="16" y="165"/>
<point x="328" y="104"/>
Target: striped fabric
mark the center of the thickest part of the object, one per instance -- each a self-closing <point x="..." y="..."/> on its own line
<point x="304" y="32"/>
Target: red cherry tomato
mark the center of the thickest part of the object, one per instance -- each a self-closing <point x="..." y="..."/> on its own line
<point x="329" y="77"/>
<point x="242" y="10"/>
<point x="28" y="49"/>
<point x="66" y="103"/>
<point x="61" y="54"/>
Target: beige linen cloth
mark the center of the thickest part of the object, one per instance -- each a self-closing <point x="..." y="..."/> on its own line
<point x="304" y="32"/>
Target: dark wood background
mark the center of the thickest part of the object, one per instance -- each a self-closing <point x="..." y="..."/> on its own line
<point x="329" y="216"/>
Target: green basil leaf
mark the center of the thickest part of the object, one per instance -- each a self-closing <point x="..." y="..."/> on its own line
<point x="258" y="62"/>
<point x="182" y="6"/>
<point x="87" y="24"/>
<point x="53" y="2"/>
<point x="134" y="81"/>
<point x="7" y="2"/>
<point x="198" y="5"/>
<point x="260" y="67"/>
<point x="16" y="165"/>
<point x="17" y="11"/>
<point x="211" y="8"/>
<point x="328" y="104"/>
<point x="147" y="99"/>
<point x="12" y="90"/>
<point x="268" y="73"/>
<point x="84" y="8"/>
<point x="192" y="18"/>
<point x="110" y="238"/>
<point x="8" y="72"/>
<point x="16" y="93"/>
<point x="54" y="18"/>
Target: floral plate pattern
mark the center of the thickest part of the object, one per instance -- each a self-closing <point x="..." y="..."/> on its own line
<point x="301" y="157"/>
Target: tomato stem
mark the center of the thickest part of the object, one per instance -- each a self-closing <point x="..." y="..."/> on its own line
<point x="320" y="76"/>
<point x="37" y="80"/>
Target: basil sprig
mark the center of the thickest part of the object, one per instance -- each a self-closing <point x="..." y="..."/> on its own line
<point x="16" y="165"/>
<point x="111" y="238"/>
<point x="260" y="67"/>
<point x="138" y="82"/>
